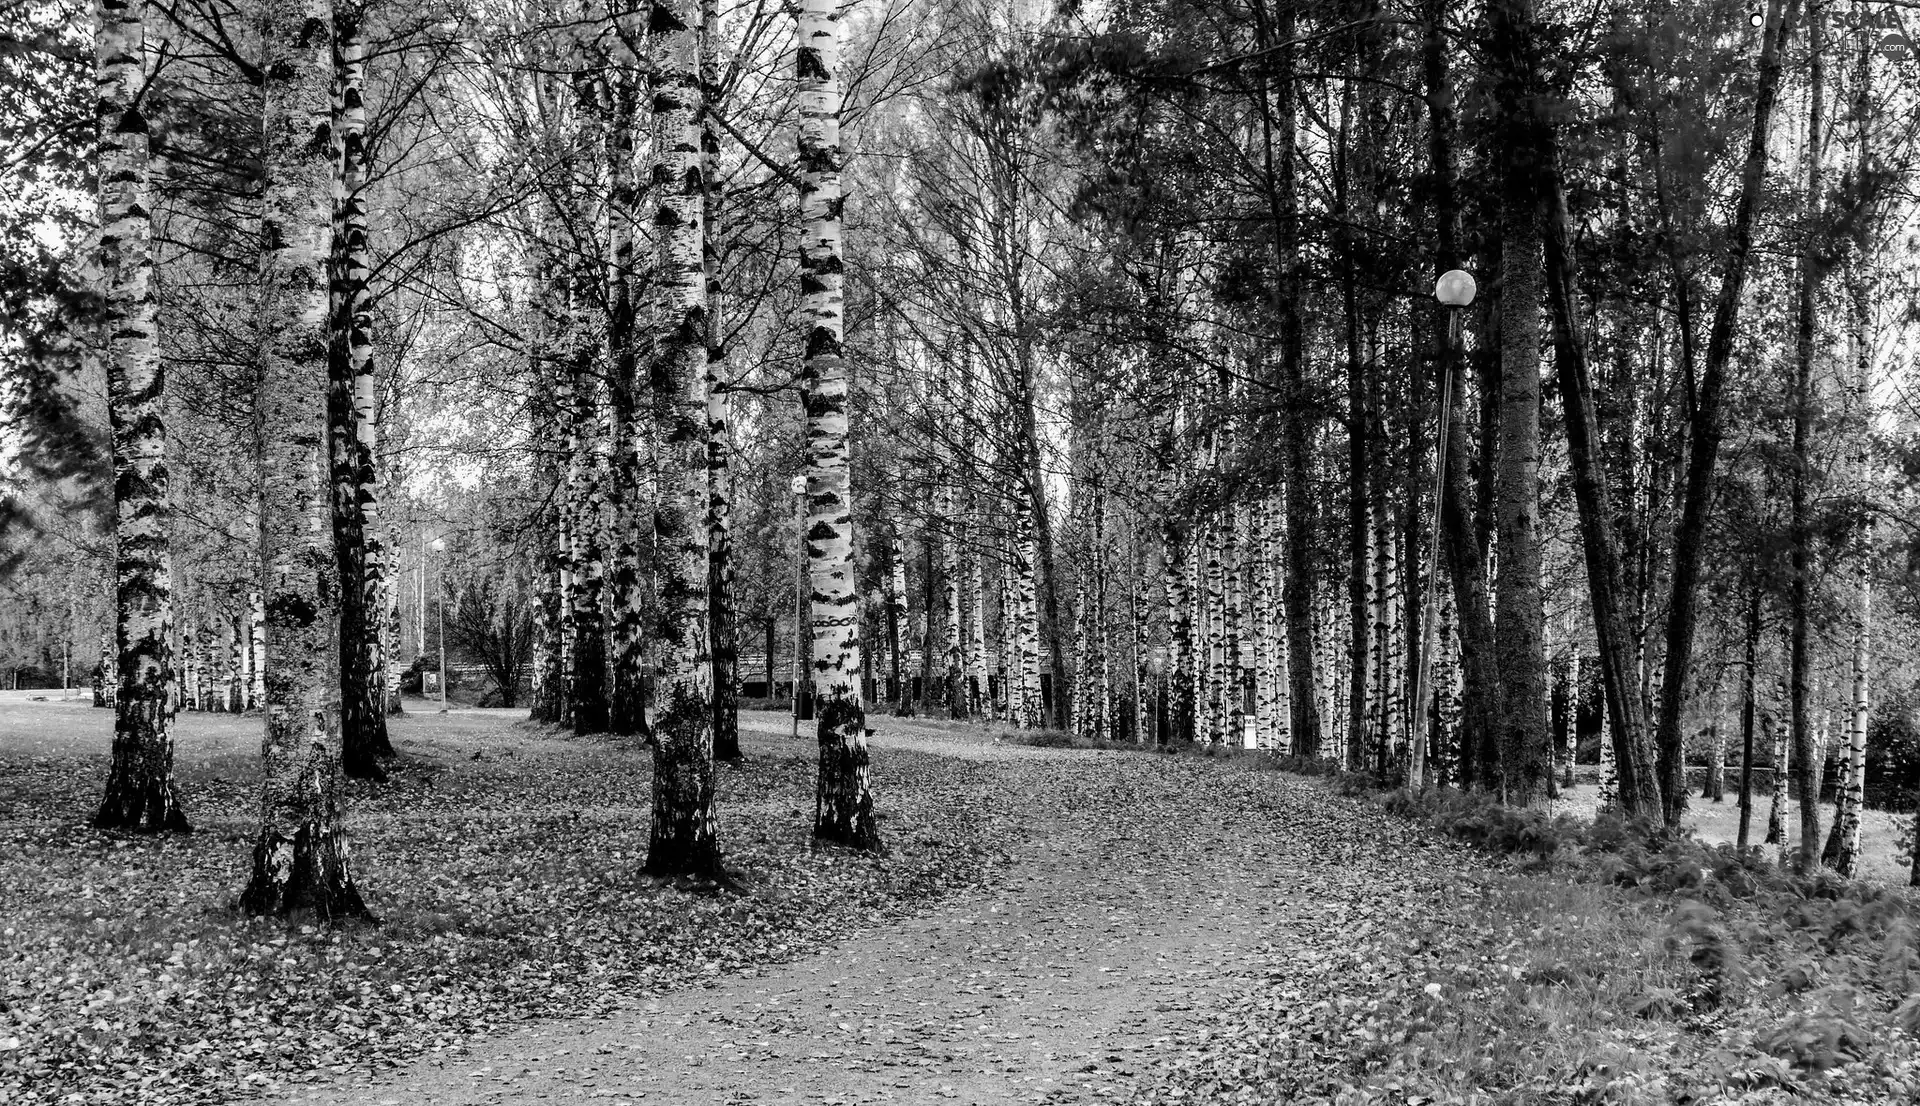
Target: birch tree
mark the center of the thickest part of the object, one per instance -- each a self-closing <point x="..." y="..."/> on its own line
<point x="843" y="802"/>
<point x="301" y="861"/>
<point x="351" y="411"/>
<point x="684" y="839"/>
<point x="140" y="792"/>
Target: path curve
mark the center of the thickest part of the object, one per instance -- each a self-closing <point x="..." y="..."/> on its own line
<point x="1123" y="917"/>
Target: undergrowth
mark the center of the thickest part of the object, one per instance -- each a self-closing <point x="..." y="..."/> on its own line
<point x="1614" y="961"/>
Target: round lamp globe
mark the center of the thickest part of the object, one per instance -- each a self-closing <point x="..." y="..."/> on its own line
<point x="1455" y="288"/>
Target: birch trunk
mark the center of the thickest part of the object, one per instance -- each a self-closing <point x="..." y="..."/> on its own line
<point x="1777" y="812"/>
<point x="1844" y="850"/>
<point x="957" y="704"/>
<point x="257" y="651"/>
<point x="629" y="516"/>
<point x="1715" y="789"/>
<point x="140" y="792"/>
<point x="187" y="650"/>
<point x="725" y="619"/>
<point x="1214" y="611"/>
<point x="350" y="414"/>
<point x="1609" y="767"/>
<point x="1852" y="790"/>
<point x="236" y="664"/>
<point x="683" y="840"/>
<point x="1800" y="529"/>
<point x="301" y="861"/>
<point x="896" y="614"/>
<point x="977" y="645"/>
<point x="1029" y="711"/>
<point x="590" y="460"/>
<point x="1179" y="695"/>
<point x="1099" y="671"/>
<point x="843" y="802"/>
<point x="1137" y="633"/>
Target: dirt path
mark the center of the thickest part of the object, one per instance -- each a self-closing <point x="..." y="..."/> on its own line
<point x="1143" y="890"/>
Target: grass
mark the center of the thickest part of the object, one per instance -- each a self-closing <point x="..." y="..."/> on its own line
<point x="1612" y="966"/>
<point x="1882" y="856"/>
<point x="501" y="858"/>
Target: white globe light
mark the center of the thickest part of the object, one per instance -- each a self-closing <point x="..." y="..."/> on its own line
<point x="439" y="545"/>
<point x="1455" y="288"/>
<point x="799" y="485"/>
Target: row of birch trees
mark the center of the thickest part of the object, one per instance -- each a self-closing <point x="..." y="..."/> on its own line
<point x="1160" y="436"/>
<point x="588" y="249"/>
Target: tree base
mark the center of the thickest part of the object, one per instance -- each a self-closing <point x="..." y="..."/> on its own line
<point x="154" y="809"/>
<point x="305" y="875"/>
<point x="843" y="804"/>
<point x="363" y="765"/>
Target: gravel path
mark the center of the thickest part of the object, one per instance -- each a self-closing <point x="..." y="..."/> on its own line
<point x="1145" y="893"/>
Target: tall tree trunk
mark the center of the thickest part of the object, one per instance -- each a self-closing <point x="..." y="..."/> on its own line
<point x="140" y="792"/>
<point x="629" y="440"/>
<point x="1359" y="577"/>
<point x="1778" y="737"/>
<point x="1705" y="427"/>
<point x="588" y="479"/>
<point x="843" y="801"/>
<point x="896" y="612"/>
<point x="683" y="840"/>
<point x="1800" y="527"/>
<point x="300" y="855"/>
<point x="350" y="388"/>
<point x="1842" y="850"/>
<point x="1279" y="119"/>
<point x="1634" y="754"/>
<point x="1526" y="757"/>
<point x="1180" y="656"/>
<point x="725" y="619"/>
<point x="1748" y="705"/>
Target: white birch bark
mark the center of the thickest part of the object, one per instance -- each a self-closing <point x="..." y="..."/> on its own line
<point x="140" y="792"/>
<point x="301" y="860"/>
<point x="1026" y="698"/>
<point x="236" y="663"/>
<point x="977" y="641"/>
<point x="353" y="411"/>
<point x="843" y="803"/>
<point x="683" y="839"/>
<point x="1234" y="628"/>
<point x="1176" y="680"/>
<point x="1137" y="632"/>
<point x="956" y="638"/>
<point x="1852" y="789"/>
<point x="256" y="651"/>
<point x="189" y="654"/>
<point x="1777" y="811"/>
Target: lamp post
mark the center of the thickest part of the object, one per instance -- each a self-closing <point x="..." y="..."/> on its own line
<point x="798" y="486"/>
<point x="1454" y="291"/>
<point x="440" y="546"/>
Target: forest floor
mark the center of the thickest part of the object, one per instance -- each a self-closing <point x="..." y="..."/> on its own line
<point x="1050" y="925"/>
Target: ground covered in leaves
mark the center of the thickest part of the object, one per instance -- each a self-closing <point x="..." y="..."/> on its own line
<point x="501" y="859"/>
<point x="1051" y="925"/>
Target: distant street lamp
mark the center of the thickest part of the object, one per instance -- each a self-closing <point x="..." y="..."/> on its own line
<point x="1454" y="291"/>
<point x="440" y="546"/>
<point x="798" y="486"/>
